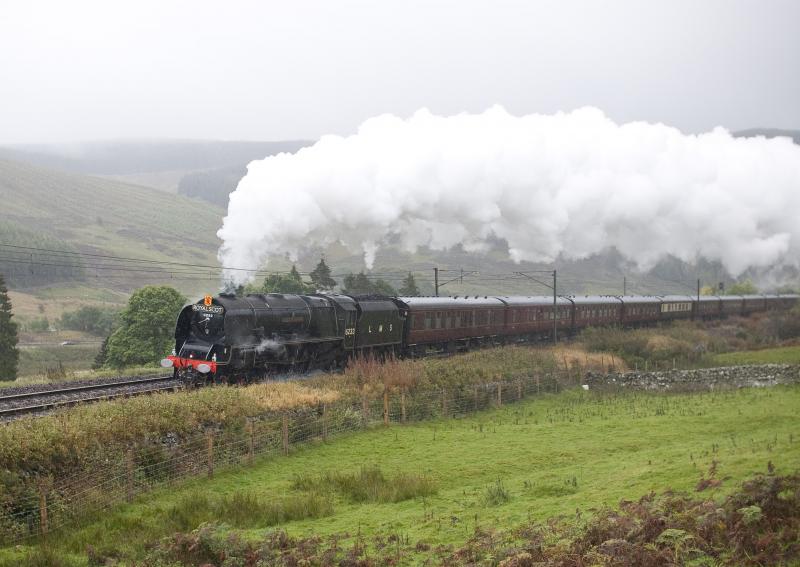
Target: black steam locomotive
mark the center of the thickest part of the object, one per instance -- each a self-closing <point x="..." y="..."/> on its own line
<point x="231" y="338"/>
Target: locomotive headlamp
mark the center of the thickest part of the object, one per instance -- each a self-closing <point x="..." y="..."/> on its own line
<point x="203" y="368"/>
<point x="166" y="363"/>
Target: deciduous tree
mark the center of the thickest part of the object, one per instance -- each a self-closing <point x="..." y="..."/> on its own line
<point x="286" y="283"/>
<point x="147" y="327"/>
<point x="747" y="287"/>
<point x="360" y="284"/>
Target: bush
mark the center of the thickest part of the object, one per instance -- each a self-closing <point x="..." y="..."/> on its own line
<point x="786" y="326"/>
<point x="40" y="325"/>
<point x="680" y="340"/>
<point x="90" y="319"/>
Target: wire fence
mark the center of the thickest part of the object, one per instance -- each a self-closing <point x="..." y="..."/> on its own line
<point x="51" y="504"/>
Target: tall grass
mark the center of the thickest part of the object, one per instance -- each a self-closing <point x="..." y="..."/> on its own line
<point x="244" y="510"/>
<point x="369" y="484"/>
<point x="496" y="494"/>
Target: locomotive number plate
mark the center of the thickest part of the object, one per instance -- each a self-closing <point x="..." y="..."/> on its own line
<point x="207" y="308"/>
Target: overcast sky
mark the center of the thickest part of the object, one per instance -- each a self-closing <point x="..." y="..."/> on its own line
<point x="77" y="70"/>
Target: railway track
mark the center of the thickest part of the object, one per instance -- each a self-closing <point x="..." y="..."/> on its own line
<point x="38" y="400"/>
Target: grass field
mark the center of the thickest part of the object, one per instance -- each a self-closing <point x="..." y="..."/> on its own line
<point x="778" y="355"/>
<point x="38" y="360"/>
<point x="554" y="455"/>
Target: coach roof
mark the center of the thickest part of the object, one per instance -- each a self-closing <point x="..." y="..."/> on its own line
<point x="457" y="302"/>
<point x="595" y="299"/>
<point x="639" y="299"/>
<point x="531" y="300"/>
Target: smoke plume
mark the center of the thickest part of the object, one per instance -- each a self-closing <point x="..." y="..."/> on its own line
<point x="569" y="184"/>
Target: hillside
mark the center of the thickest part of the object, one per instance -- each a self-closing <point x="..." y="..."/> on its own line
<point x="125" y="157"/>
<point x="45" y="208"/>
<point x="196" y="168"/>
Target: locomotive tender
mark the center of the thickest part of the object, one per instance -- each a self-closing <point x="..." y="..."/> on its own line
<point x="231" y="338"/>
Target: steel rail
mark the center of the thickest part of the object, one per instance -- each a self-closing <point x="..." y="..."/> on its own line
<point x="52" y="400"/>
<point x="82" y="388"/>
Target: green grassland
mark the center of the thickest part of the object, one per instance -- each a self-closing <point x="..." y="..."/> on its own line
<point x="778" y="355"/>
<point x="555" y="455"/>
<point x="39" y="360"/>
<point x="102" y="216"/>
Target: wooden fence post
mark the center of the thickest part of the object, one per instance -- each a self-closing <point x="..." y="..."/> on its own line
<point x="285" y="431"/>
<point x="364" y="408"/>
<point x="129" y="474"/>
<point x="444" y="403"/>
<point x="403" y="405"/>
<point x="210" y="452"/>
<point x="537" y="383"/>
<point x="386" y="406"/>
<point x="43" y="508"/>
<point x="324" y="422"/>
<point x="519" y="389"/>
<point x="499" y="394"/>
<point x="475" y="392"/>
<point x="251" y="441"/>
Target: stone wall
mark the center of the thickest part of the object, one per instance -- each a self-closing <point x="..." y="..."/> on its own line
<point x="762" y="375"/>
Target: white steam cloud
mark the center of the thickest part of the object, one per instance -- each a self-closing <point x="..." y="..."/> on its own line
<point x="568" y="184"/>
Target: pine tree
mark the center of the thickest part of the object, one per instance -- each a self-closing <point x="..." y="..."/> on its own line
<point x="102" y="355"/>
<point x="9" y="355"/>
<point x="409" y="287"/>
<point x="321" y="277"/>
